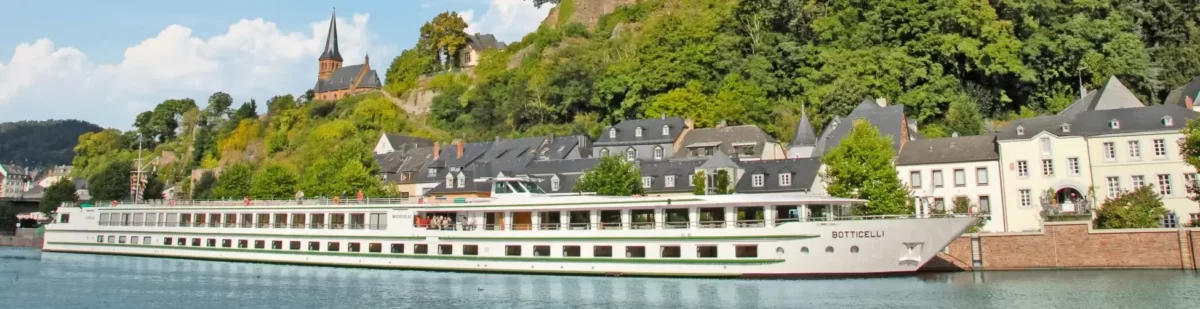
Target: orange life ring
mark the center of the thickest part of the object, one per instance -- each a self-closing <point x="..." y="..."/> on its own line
<point x="114" y="203"/>
<point x="337" y="200"/>
<point x="246" y="200"/>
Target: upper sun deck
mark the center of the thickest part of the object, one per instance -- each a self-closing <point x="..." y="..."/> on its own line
<point x="507" y="194"/>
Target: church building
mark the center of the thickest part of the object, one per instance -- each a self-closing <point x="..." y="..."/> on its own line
<point x="335" y="81"/>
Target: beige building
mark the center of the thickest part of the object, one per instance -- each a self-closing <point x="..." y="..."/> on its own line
<point x="940" y="170"/>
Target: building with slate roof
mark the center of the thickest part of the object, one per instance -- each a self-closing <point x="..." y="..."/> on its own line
<point x="774" y="176"/>
<point x="1113" y="95"/>
<point x="558" y="176"/>
<point x="1110" y="147"/>
<point x="14" y="180"/>
<point x="642" y="139"/>
<point x="468" y="57"/>
<point x="335" y="81"/>
<point x="745" y="142"/>
<point x="661" y="178"/>
<point x="390" y="142"/>
<point x="939" y="170"/>
<point x="1185" y="95"/>
<point x="804" y="141"/>
<point x="890" y="120"/>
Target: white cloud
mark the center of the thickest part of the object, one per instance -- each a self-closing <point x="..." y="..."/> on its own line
<point x="252" y="59"/>
<point x="509" y="20"/>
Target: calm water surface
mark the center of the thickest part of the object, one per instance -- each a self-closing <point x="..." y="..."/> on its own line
<point x="31" y="279"/>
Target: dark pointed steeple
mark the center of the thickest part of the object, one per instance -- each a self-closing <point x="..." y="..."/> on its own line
<point x="804" y="131"/>
<point x="331" y="41"/>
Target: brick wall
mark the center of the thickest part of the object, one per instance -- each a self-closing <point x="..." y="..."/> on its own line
<point x="1075" y="245"/>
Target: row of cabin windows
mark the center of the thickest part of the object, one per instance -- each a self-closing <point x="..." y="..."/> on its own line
<point x="960" y="178"/>
<point x="1114" y="124"/>
<point x="702" y="251"/>
<point x="637" y="132"/>
<point x="374" y="221"/>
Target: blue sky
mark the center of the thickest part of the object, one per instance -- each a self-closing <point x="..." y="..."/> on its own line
<point x="105" y="61"/>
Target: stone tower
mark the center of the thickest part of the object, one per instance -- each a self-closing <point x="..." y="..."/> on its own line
<point x="330" y="59"/>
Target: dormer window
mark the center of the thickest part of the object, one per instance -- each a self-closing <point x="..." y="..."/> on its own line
<point x="462" y="181"/>
<point x="450" y="181"/>
<point x="785" y="180"/>
<point x="666" y="130"/>
<point x="554" y="184"/>
<point x="1168" y="121"/>
<point x="432" y="172"/>
<point x="758" y="180"/>
<point x="658" y="152"/>
<point x="1114" y="124"/>
<point x="638" y="132"/>
<point x="612" y="133"/>
<point x="1020" y="130"/>
<point x="630" y="154"/>
<point x="1066" y="128"/>
<point x="604" y="152"/>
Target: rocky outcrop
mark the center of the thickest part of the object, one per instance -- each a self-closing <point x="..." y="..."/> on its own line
<point x="589" y="12"/>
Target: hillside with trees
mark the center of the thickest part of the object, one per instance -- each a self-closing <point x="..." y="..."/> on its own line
<point x="41" y="143"/>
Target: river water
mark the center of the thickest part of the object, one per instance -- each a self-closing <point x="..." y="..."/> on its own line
<point x="31" y="279"/>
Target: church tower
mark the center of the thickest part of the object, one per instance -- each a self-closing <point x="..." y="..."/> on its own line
<point x="330" y="59"/>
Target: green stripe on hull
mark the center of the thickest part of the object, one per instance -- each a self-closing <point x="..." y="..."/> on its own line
<point x="747" y="261"/>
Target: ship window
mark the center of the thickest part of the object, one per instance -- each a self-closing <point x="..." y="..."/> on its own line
<point x="277" y="244"/>
<point x="212" y="242"/>
<point x="421" y="249"/>
<point x="121" y="239"/>
<point x="511" y="250"/>
<point x="804" y="250"/>
<point x="706" y="251"/>
<point x="541" y="250"/>
<point x="397" y="248"/>
<point x="133" y="239"/>
<point x="470" y="250"/>
<point x="260" y="244"/>
<point x="112" y="239"/>
<point x="853" y="249"/>
<point x="242" y="243"/>
<point x="750" y="251"/>
<point x="571" y="251"/>
<point x="100" y="238"/>
<point x="446" y="249"/>
<point x="226" y="243"/>
<point x="314" y="246"/>
<point x="635" y="252"/>
<point x="375" y="247"/>
<point x="602" y="251"/>
<point x="669" y="251"/>
<point x="195" y="242"/>
<point x="828" y="249"/>
<point x="333" y="246"/>
<point x="167" y="241"/>
<point x="64" y="218"/>
<point x="146" y="240"/>
<point x="294" y="245"/>
<point x="353" y="247"/>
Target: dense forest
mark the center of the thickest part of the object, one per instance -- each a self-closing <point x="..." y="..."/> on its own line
<point x="41" y="143"/>
<point x="951" y="63"/>
<point x="954" y="64"/>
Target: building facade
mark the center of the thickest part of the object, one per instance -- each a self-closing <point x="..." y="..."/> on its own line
<point x="14" y="180"/>
<point x="940" y="171"/>
<point x="335" y="81"/>
<point x="641" y="139"/>
<point x="746" y="143"/>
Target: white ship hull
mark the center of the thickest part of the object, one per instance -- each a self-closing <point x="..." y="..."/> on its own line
<point x="775" y="249"/>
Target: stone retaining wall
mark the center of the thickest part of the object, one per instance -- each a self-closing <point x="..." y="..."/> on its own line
<point x="12" y="241"/>
<point x="1067" y="245"/>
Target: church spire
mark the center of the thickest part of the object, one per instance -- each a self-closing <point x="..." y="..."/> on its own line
<point x="331" y="41"/>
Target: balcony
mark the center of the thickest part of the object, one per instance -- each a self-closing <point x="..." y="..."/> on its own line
<point x="1066" y="204"/>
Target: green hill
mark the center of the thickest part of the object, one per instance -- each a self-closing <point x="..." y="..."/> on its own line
<point x="41" y="143"/>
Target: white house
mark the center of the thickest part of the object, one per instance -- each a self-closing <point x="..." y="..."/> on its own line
<point x="940" y="170"/>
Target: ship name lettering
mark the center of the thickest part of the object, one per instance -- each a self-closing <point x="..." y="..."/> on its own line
<point x="858" y="234"/>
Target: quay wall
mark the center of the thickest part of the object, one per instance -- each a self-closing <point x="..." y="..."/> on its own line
<point x="18" y="241"/>
<point x="1072" y="245"/>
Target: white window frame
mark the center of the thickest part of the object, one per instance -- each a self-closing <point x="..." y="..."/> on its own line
<point x="1137" y="181"/>
<point x="1110" y="151"/>
<point x="637" y="132"/>
<point x="646" y="181"/>
<point x="631" y="154"/>
<point x="432" y="172"/>
<point x="1022" y="168"/>
<point x="1135" y="150"/>
<point x="612" y="133"/>
<point x="1048" y="168"/>
<point x="670" y="181"/>
<point x="1160" y="148"/>
<point x="554" y="184"/>
<point x="462" y="181"/>
<point x="1026" y="198"/>
<point x="758" y="180"/>
<point x="1073" y="166"/>
<point x="1114" y="124"/>
<point x="666" y="130"/>
<point x="785" y="179"/>
<point x="1114" y="186"/>
<point x="1168" y="121"/>
<point x="603" y="152"/>
<point x="658" y="152"/>
<point x="1164" y="185"/>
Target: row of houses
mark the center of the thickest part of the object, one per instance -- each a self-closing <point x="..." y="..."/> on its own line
<point x="1021" y="173"/>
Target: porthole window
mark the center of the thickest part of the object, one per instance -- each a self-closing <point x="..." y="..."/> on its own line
<point x="829" y="249"/>
<point x="779" y="251"/>
<point x="853" y="249"/>
<point x="804" y="250"/>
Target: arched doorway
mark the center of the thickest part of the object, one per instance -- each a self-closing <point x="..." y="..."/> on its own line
<point x="1067" y="198"/>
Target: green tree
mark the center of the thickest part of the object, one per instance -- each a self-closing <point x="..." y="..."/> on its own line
<point x="111" y="183"/>
<point x="722" y="182"/>
<point x="1190" y="150"/>
<point x="1140" y="208"/>
<point x="444" y="35"/>
<point x="406" y="68"/>
<point x="153" y="189"/>
<point x="612" y="176"/>
<point x="698" y="183"/>
<point x="204" y="187"/>
<point x="61" y="191"/>
<point x="8" y="217"/>
<point x="964" y="117"/>
<point x="218" y="106"/>
<point x="273" y="182"/>
<point x="234" y="182"/>
<point x="860" y="166"/>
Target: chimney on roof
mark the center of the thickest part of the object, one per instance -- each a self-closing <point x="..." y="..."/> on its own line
<point x="881" y="101"/>
<point x="437" y="150"/>
<point x="689" y="123"/>
<point x="1189" y="102"/>
<point x="662" y="116"/>
<point x="721" y="124"/>
<point x="460" y="148"/>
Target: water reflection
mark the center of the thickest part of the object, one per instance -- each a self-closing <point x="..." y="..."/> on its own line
<point x="78" y="281"/>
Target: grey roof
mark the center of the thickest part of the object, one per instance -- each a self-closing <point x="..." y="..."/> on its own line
<point x="651" y="132"/>
<point x="888" y="119"/>
<point x="658" y="170"/>
<point x="471" y="186"/>
<point x="390" y="162"/>
<point x="1113" y="95"/>
<point x="566" y="182"/>
<point x="484" y="42"/>
<point x="14" y="169"/>
<point x="344" y="77"/>
<point x="471" y="152"/>
<point x="331" y="41"/>
<point x="417" y="159"/>
<point x="724" y="138"/>
<point x="513" y="148"/>
<point x="1180" y="96"/>
<point x="1096" y="122"/>
<point x="557" y="148"/>
<point x="393" y="164"/>
<point x="508" y="166"/>
<point x="402" y="142"/>
<point x="805" y="136"/>
<point x="719" y="160"/>
<point x="804" y="173"/>
<point x="949" y="150"/>
<point x="547" y="167"/>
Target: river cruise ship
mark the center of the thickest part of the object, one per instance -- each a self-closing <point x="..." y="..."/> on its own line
<point x="520" y="229"/>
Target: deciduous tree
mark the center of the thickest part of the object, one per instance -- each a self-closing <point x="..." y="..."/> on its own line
<point x="273" y="182"/>
<point x="234" y="182"/>
<point x="1140" y="208"/>
<point x="111" y="183"/>
<point x="860" y="166"/>
<point x="613" y="176"/>
<point x="61" y="191"/>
